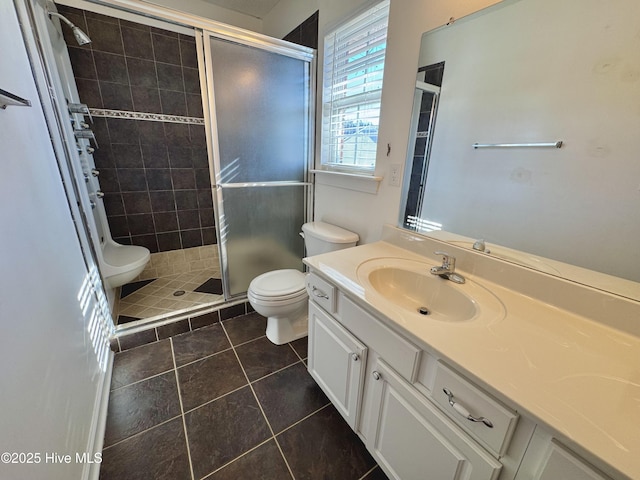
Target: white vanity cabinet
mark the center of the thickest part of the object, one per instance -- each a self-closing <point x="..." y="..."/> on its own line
<point x="407" y="433"/>
<point x="548" y="459"/>
<point x="412" y="439"/>
<point x="336" y="362"/>
<point x="560" y="463"/>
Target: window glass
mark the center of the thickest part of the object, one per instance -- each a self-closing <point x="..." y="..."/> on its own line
<point x="353" y="72"/>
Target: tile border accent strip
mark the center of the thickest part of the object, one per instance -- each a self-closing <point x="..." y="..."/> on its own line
<point x="153" y="117"/>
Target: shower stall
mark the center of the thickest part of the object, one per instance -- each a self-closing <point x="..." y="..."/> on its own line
<point x="189" y="138"/>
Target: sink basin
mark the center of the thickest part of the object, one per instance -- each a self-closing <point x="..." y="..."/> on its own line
<point x="408" y="285"/>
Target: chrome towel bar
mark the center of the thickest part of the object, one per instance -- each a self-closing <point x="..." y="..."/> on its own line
<point x="557" y="144"/>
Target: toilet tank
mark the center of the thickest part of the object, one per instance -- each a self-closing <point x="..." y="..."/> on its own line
<point x="320" y="237"/>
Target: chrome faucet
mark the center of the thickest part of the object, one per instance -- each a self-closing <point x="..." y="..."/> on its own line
<point x="447" y="269"/>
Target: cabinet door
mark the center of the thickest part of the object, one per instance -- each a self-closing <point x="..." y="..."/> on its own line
<point x="412" y="440"/>
<point x="560" y="464"/>
<point x="336" y="362"/>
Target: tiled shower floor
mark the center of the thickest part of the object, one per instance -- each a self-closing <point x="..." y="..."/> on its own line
<point x="222" y="402"/>
<point x="166" y="295"/>
<point x="172" y="281"/>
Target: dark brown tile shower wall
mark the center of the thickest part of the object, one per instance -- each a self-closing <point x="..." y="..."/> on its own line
<point x="306" y="33"/>
<point x="155" y="175"/>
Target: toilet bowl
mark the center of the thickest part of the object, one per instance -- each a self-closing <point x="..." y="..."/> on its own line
<point x="122" y="263"/>
<point x="280" y="295"/>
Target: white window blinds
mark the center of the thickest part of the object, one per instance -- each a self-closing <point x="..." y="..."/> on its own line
<point x="353" y="70"/>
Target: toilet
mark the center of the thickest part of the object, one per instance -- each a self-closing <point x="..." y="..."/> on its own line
<point x="280" y="295"/>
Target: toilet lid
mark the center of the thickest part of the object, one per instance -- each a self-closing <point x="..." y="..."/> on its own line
<point x="279" y="283"/>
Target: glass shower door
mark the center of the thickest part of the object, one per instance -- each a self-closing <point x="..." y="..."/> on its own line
<point x="260" y="101"/>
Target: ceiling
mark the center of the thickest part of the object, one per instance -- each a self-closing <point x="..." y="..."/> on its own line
<point x="254" y="8"/>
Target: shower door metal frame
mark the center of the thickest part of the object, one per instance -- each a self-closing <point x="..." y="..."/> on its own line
<point x="205" y="66"/>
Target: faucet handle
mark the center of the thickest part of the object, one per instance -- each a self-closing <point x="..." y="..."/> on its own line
<point x="447" y="259"/>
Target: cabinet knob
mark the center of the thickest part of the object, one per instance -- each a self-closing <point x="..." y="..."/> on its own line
<point x="355" y="357"/>
<point x="99" y="194"/>
<point x="376" y="375"/>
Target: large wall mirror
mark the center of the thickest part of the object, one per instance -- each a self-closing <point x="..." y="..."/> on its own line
<point x="526" y="72"/>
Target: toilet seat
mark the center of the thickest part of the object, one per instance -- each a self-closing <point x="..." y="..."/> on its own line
<point x="278" y="285"/>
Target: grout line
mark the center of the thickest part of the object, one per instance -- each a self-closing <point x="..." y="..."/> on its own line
<point x="260" y="406"/>
<point x="276" y="371"/>
<point x="217" y="398"/>
<point x="202" y="358"/>
<point x="208" y="475"/>
<point x="141" y="380"/>
<point x="244" y="343"/>
<point x="296" y="352"/>
<point x="95" y="68"/>
<point x="304" y="418"/>
<point x="184" y="422"/>
<point x="365" y="475"/>
<point x="140" y="433"/>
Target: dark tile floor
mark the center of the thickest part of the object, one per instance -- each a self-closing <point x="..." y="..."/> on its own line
<point x="224" y="403"/>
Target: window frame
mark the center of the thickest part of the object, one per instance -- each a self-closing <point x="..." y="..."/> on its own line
<point x="361" y="89"/>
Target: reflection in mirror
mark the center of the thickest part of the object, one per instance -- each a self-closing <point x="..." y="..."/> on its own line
<point x="425" y="106"/>
<point x="536" y="71"/>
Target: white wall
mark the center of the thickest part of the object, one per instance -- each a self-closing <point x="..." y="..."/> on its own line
<point x="49" y="375"/>
<point x="362" y="212"/>
<point x="214" y="12"/>
<point x="195" y="7"/>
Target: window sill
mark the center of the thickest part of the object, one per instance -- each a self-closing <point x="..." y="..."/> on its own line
<point x="349" y="181"/>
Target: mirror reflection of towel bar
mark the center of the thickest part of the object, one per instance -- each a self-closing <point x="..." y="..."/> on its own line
<point x="512" y="145"/>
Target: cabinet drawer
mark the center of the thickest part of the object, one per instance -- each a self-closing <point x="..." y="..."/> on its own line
<point x="467" y="397"/>
<point x="397" y="352"/>
<point x="321" y="292"/>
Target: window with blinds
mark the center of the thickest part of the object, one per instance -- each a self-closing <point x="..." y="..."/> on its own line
<point x="353" y="70"/>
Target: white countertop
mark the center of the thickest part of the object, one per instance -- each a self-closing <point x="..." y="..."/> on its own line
<point x="577" y="376"/>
